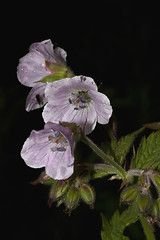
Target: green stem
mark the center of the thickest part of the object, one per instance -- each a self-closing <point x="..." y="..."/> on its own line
<point x="147" y="228"/>
<point x="104" y="156"/>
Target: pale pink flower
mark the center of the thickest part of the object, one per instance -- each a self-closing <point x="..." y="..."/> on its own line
<point x="76" y="100"/>
<point x="52" y="148"/>
<point x="41" y="61"/>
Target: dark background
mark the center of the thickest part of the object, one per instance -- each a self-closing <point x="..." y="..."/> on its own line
<point x="117" y="43"/>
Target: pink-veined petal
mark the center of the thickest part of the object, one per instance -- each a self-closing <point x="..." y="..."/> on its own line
<point x="102" y="107"/>
<point x="35" y="149"/>
<point x="31" y="69"/>
<point x="45" y="48"/>
<point x="60" y="164"/>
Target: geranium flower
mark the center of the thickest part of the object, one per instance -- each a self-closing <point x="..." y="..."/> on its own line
<point x="76" y="100"/>
<point x="52" y="148"/>
<point x="41" y="64"/>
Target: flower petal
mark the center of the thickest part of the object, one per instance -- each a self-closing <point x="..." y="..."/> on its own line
<point x="36" y="98"/>
<point x="60" y="54"/>
<point x="56" y="94"/>
<point x="67" y="85"/>
<point x="45" y="48"/>
<point x="52" y="113"/>
<point x="102" y="107"/>
<point x="60" y="165"/>
<point x="86" y="118"/>
<point x="31" y="69"/>
<point x="35" y="149"/>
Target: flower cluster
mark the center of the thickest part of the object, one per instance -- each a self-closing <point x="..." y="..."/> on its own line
<point x="66" y="98"/>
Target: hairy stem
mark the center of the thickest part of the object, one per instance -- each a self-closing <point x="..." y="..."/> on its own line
<point x="147" y="228"/>
<point x="104" y="156"/>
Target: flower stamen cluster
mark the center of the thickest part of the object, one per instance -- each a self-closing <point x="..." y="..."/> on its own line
<point x="80" y="99"/>
<point x="60" y="142"/>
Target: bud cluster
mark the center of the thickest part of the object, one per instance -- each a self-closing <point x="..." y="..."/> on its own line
<point x="144" y="194"/>
<point x="69" y="192"/>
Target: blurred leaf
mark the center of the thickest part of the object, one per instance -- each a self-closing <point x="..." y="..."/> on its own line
<point x="148" y="152"/>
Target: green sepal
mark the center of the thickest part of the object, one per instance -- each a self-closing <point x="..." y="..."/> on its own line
<point x="58" y="189"/>
<point x="156" y="181"/>
<point x="72" y="199"/>
<point x="87" y="194"/>
<point x="158" y="204"/>
<point x="143" y="203"/>
<point x="53" y="77"/>
<point x="101" y="170"/>
<point x="57" y="72"/>
<point x="129" y="194"/>
<point x="54" y="67"/>
<point x="155" y="210"/>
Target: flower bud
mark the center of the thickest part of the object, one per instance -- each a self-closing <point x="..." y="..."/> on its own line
<point x="58" y="189"/>
<point x="157" y="180"/>
<point x="155" y="210"/>
<point x="158" y="204"/>
<point x="44" y="179"/>
<point x="87" y="194"/>
<point x="129" y="194"/>
<point x="143" y="203"/>
<point x="72" y="199"/>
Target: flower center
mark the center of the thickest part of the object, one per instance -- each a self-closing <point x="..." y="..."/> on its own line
<point x="60" y="143"/>
<point x="80" y="99"/>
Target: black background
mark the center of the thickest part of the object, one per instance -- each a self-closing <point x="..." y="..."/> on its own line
<point x="117" y="43"/>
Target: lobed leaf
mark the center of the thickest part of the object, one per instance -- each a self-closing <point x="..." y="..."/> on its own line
<point x="148" y="152"/>
<point x="124" y="144"/>
<point x="114" y="229"/>
<point x="106" y="229"/>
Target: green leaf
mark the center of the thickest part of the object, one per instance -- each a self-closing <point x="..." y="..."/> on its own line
<point x="148" y="152"/>
<point x="115" y="228"/>
<point x="124" y="144"/>
<point x="106" y="229"/>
